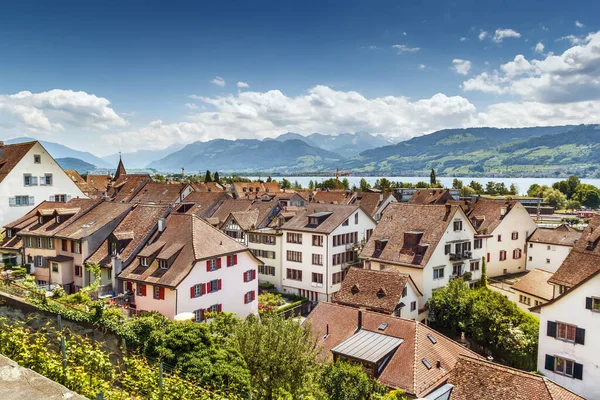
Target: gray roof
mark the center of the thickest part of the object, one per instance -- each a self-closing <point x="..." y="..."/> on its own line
<point x="320" y="214"/>
<point x="339" y="213"/>
<point x="367" y="346"/>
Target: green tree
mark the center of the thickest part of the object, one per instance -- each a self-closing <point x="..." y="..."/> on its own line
<point x="477" y="187"/>
<point x="573" y="205"/>
<point x="501" y="188"/>
<point x="490" y="188"/>
<point x="432" y="178"/>
<point x="343" y="381"/>
<point x="311" y="185"/>
<point x="534" y="190"/>
<point x="484" y="278"/>
<point x="467" y="191"/>
<point x="457" y="183"/>
<point x="159" y="178"/>
<point x="514" y="190"/>
<point x="280" y="354"/>
<point x="269" y="179"/>
<point x="364" y="185"/>
<point x="345" y="183"/>
<point x="588" y="195"/>
<point x="216" y="177"/>
<point x="207" y="176"/>
<point x="422" y="185"/>
<point x="555" y="198"/>
<point x="285" y="184"/>
<point x="383" y="184"/>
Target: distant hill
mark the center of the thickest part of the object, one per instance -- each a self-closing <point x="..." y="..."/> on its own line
<point x="74" y="163"/>
<point x="60" y="151"/>
<point x="248" y="156"/>
<point x="345" y="144"/>
<point x="142" y="158"/>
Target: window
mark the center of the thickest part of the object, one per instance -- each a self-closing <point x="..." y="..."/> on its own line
<point x="563" y="366"/>
<point x="196" y="290"/>
<point x="78" y="270"/>
<point x="565" y="331"/>
<point x="232" y="260"/>
<point x="317" y="259"/>
<point x="294" y="256"/>
<point x="516" y="254"/>
<point x="109" y="274"/>
<point x="249" y="275"/>
<point x="413" y="306"/>
<point x="264" y="239"/>
<point x="76" y="247"/>
<point x="345" y="238"/>
<point x="159" y="293"/>
<point x="29" y="180"/>
<point x="336" y="278"/>
<point x="592" y="303"/>
<point x="547" y="261"/>
<point x="9" y="233"/>
<point x="404" y="291"/>
<point x="531" y="245"/>
<point x="214" y="308"/>
<point x="530" y="258"/>
<point x="345" y="223"/>
<point x="294" y="274"/>
<point x="263" y="253"/>
<point x="342" y="258"/>
<point x="266" y="270"/>
<point x="356" y="219"/>
<point x="317" y="278"/>
<point x="249" y="297"/>
<point x="458" y="225"/>
<point x="438" y="273"/>
<point x="524" y="300"/>
<point x="163" y="264"/>
<point x="294" y="238"/>
<point x="144" y="261"/>
<point x="61" y="198"/>
<point x="514" y="235"/>
<point x="499" y="238"/>
<point x="46" y="180"/>
<point x="214" y="285"/>
<point x="447" y="249"/>
<point x="54" y="267"/>
<point x="199" y="315"/>
<point x="502" y="255"/>
<point x="37" y="159"/>
<point x="478" y="244"/>
<point x="213" y="264"/>
<point x="21" y="201"/>
<point x="39" y="243"/>
<point x="474" y="266"/>
<point x="369" y="233"/>
<point x="141" y="289"/>
<point x="317" y="240"/>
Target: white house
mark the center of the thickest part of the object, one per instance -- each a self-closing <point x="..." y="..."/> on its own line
<point x="431" y="243"/>
<point x="28" y="176"/>
<point x="532" y="290"/>
<point x="373" y="203"/>
<point x="319" y="244"/>
<point x="506" y="225"/>
<point x="189" y="266"/>
<point x="547" y="248"/>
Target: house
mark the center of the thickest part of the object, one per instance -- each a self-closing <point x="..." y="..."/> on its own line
<point x="389" y="292"/>
<point x="506" y="225"/>
<point x="431" y="196"/>
<point x="202" y="204"/>
<point x="241" y="190"/>
<point x="87" y="189"/>
<point x="28" y="176"/>
<point x="547" y="248"/>
<point x="126" y="186"/>
<point x="333" y="197"/>
<point x="373" y="203"/>
<point x="533" y="289"/>
<point x="431" y="243"/>
<point x="474" y="378"/>
<point x="99" y="183"/>
<point x="123" y="244"/>
<point x="405" y="194"/>
<point x="320" y="242"/>
<point x="266" y="210"/>
<point x="162" y="193"/>
<point x="398" y="352"/>
<point x="190" y="266"/>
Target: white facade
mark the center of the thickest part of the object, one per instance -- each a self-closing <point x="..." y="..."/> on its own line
<point x="412" y="302"/>
<point x="390" y="199"/>
<point x="266" y="245"/>
<point x="425" y="278"/>
<point x="230" y="297"/>
<point x="319" y="282"/>
<point x="37" y="165"/>
<point x="571" y="308"/>
<point x="546" y="256"/>
<point x="517" y="221"/>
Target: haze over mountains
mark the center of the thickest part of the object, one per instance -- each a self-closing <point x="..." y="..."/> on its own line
<point x="536" y="151"/>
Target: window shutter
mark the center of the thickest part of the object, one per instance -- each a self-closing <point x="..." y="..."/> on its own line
<point x="34" y="181"/>
<point x="246" y="298"/>
<point x="12" y="201"/>
<point x="192" y="293"/>
<point x="245" y="277"/>
<point x="253" y="295"/>
<point x="42" y="181"/>
<point x="143" y="290"/>
<point x="219" y="284"/>
<point x="578" y="371"/>
<point x="253" y="274"/>
<point x="52" y="197"/>
<point x="549" y="363"/>
<point x="68" y="197"/>
<point x="588" y="303"/>
<point x="579" y="336"/>
<point x="204" y="288"/>
<point x="235" y="259"/>
<point x="551" y="329"/>
<point x="207" y="265"/>
<point x="31" y="200"/>
<point x="219" y="263"/>
<point x="202" y="315"/>
<point x="219" y="307"/>
<point x="161" y="293"/>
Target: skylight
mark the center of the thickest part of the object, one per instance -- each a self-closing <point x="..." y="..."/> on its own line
<point x="382" y="327"/>
<point x="433" y="340"/>
<point x="426" y="363"/>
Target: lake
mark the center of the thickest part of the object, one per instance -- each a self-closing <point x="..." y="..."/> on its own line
<point x="522" y="183"/>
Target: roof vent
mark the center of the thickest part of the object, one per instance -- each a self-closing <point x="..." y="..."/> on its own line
<point x="381" y="293"/>
<point x="439" y="364"/>
<point x="382" y="327"/>
<point x="355" y="289"/>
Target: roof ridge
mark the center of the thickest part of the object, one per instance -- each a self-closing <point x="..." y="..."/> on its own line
<point x="415" y="359"/>
<point x="501" y="366"/>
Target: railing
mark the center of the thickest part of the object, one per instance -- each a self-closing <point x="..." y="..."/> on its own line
<point x="460" y="256"/>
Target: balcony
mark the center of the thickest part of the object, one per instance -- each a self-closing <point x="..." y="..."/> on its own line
<point x="460" y="256"/>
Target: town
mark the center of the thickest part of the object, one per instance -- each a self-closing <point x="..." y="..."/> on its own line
<point x="369" y="292"/>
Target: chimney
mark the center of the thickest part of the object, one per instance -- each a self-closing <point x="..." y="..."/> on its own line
<point x="1" y="149"/>
<point x="503" y="211"/>
<point x="439" y="364"/>
<point x="162" y="224"/>
<point x="326" y="331"/>
<point x="359" y="327"/>
<point x="448" y="208"/>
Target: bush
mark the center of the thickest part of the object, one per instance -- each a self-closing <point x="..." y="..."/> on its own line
<point x="270" y="301"/>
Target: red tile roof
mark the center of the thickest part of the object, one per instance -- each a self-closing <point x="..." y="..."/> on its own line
<point x="94" y="220"/>
<point x="50" y="228"/>
<point x="333" y="197"/>
<point x="13" y="153"/>
<point x="536" y="284"/>
<point x="562" y="235"/>
<point x="430" y="196"/>
<point x="127" y="186"/>
<point x="98" y="182"/>
<point x="474" y="378"/>
<point x="487" y="214"/>
<point x="405" y="370"/>
<point x="370" y="201"/>
<point x="204" y="204"/>
<point x="158" y="193"/>
<point x="79" y="181"/>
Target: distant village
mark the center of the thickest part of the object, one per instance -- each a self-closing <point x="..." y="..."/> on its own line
<point x="364" y="268"/>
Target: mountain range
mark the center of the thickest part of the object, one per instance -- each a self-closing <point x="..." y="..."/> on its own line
<point x="141" y="158"/>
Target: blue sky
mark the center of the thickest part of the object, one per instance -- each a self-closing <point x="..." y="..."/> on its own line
<point x="136" y="74"/>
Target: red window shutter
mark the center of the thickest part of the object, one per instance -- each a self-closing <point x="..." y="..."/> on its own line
<point x="235" y="259"/>
<point x="204" y="288"/>
<point x="219" y="307"/>
<point x="245" y="277"/>
<point x="192" y="292"/>
<point x="488" y="257"/>
<point x="219" y="284"/>
<point x="129" y="284"/>
<point x="218" y="263"/>
<point x="72" y="247"/>
<point x="253" y="274"/>
<point x="246" y="298"/>
<point x="143" y="290"/>
<point x="201" y="315"/>
<point x="207" y="265"/>
<point x="161" y="293"/>
<point x="253" y="295"/>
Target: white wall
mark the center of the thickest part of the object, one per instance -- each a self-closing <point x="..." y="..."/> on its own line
<point x="515" y="298"/>
<point x="382" y="207"/>
<point x="516" y="220"/>
<point x="571" y="309"/>
<point x="538" y="255"/>
<point x="272" y="262"/>
<point x="13" y="184"/>
<point x="411" y="295"/>
<point x="148" y="303"/>
<point x="327" y="251"/>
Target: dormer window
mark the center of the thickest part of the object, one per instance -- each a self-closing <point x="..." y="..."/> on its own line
<point x="40" y="220"/>
<point x="381" y="293"/>
<point x="144" y="261"/>
<point x="9" y="233"/>
<point x="355" y="289"/>
<point x="57" y="219"/>
<point x="113" y="248"/>
<point x="380" y="244"/>
<point x="163" y="264"/>
<point x="345" y="223"/>
<point x="590" y="246"/>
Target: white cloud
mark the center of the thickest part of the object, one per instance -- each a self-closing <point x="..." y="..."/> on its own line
<point x="579" y="24"/>
<point x="566" y="78"/>
<point x="539" y="48"/>
<point x="482" y="34"/>
<point x="404" y="33"/>
<point x="242" y="85"/>
<point x="402" y="48"/>
<point x="191" y="106"/>
<point x="422" y="66"/>
<point x="462" y="39"/>
<point x="218" y="81"/>
<point x="322" y="109"/>
<point x="574" y="39"/>
<point x="461" y="66"/>
<point x="502" y="34"/>
<point x="52" y="110"/>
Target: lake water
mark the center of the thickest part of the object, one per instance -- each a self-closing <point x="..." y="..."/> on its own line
<point x="522" y="183"/>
